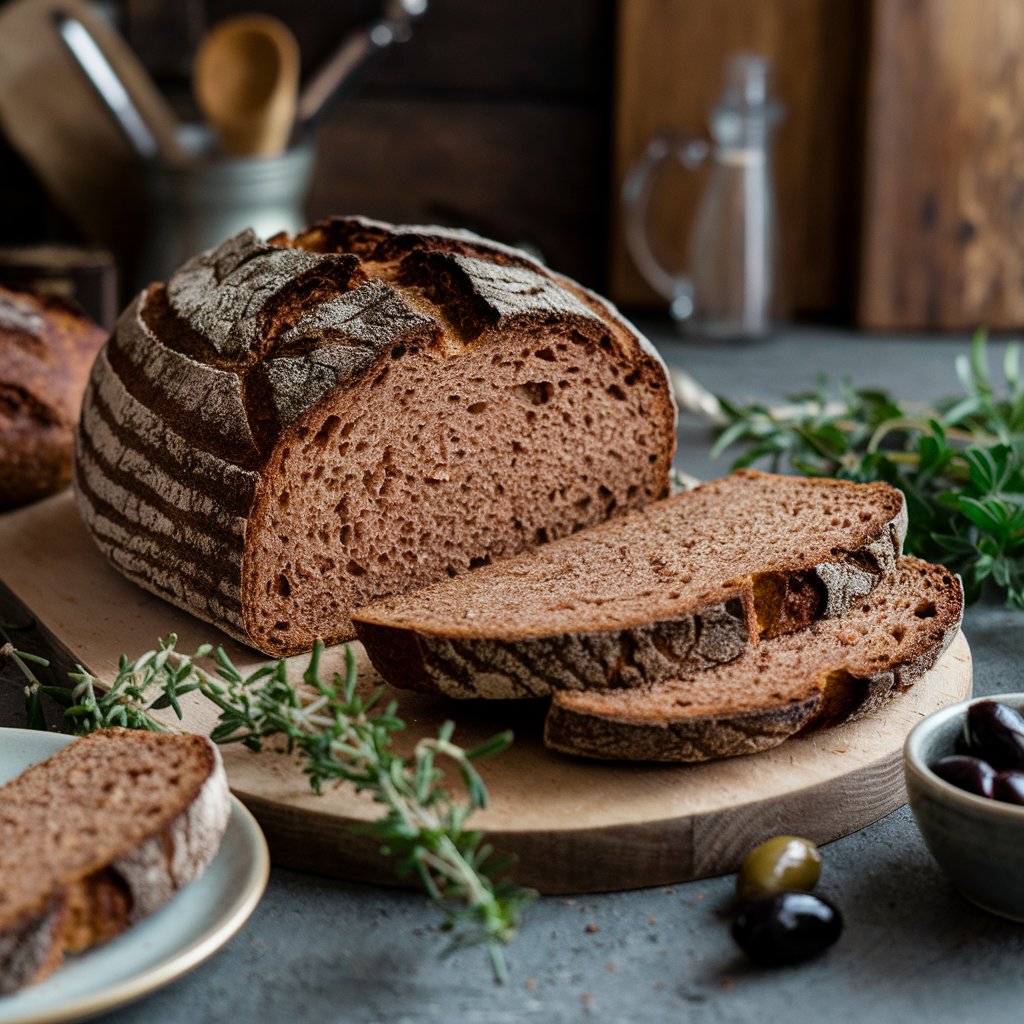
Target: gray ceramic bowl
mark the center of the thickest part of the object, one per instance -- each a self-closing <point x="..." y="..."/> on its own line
<point x="978" y="842"/>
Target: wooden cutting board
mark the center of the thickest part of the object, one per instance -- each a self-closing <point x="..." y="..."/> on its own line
<point x="576" y="826"/>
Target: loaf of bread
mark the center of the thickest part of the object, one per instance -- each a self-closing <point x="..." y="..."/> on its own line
<point x="680" y="586"/>
<point x="289" y="429"/>
<point x="46" y="348"/>
<point x="836" y="670"/>
<point x="97" y="837"/>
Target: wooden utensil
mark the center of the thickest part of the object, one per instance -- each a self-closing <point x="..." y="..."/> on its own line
<point x="246" y="81"/>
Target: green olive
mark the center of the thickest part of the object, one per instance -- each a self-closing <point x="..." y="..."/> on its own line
<point x="782" y="864"/>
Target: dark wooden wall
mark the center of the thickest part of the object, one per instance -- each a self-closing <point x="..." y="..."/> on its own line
<point x="495" y="116"/>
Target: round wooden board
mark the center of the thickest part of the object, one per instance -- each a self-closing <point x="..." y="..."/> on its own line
<point x="575" y="825"/>
<point x="582" y="826"/>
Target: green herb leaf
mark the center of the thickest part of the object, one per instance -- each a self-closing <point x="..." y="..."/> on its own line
<point x="959" y="461"/>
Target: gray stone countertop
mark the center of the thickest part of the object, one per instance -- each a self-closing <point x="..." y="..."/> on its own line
<point x="912" y="950"/>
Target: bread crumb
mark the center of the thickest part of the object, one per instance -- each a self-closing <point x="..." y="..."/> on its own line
<point x="727" y="983"/>
<point x="531" y="984"/>
<point x="611" y="967"/>
<point x="591" y="928"/>
<point x="651" y="919"/>
<point x="587" y="1000"/>
<point x="698" y="896"/>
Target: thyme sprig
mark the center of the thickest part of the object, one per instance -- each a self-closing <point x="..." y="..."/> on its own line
<point x="959" y="461"/>
<point x="341" y="737"/>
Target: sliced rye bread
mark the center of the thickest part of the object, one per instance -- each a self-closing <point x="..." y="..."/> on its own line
<point x="98" y="836"/>
<point x="685" y="584"/>
<point x="834" y="671"/>
<point x="288" y="429"/>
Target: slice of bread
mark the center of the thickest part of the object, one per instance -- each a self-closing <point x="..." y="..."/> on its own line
<point x="686" y="584"/>
<point x="98" y="836"/>
<point x="836" y="670"/>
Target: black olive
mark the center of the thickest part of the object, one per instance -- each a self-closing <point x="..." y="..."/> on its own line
<point x="786" y="928"/>
<point x="1009" y="787"/>
<point x="995" y="733"/>
<point x="970" y="773"/>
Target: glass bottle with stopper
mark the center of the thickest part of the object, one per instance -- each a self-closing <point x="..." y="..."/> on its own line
<point x="730" y="287"/>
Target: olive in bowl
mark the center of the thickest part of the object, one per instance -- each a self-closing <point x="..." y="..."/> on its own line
<point x="977" y="840"/>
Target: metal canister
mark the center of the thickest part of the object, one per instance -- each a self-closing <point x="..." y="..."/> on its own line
<point x="197" y="204"/>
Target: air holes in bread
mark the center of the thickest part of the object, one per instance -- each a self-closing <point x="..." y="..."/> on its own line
<point x="323" y="435"/>
<point x="535" y="392"/>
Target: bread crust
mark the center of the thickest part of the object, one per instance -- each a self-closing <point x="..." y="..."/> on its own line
<point x="715" y="631"/>
<point x="832" y="694"/>
<point x="468" y="667"/>
<point x="213" y="384"/>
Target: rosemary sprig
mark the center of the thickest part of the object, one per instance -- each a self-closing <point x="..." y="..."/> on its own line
<point x="341" y="737"/>
<point x="960" y="461"/>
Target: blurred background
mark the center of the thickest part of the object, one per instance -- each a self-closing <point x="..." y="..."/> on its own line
<point x="897" y="167"/>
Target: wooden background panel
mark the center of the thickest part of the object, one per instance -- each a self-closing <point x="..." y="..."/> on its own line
<point x="495" y="116"/>
<point x="528" y="176"/>
<point x="943" y="239"/>
<point x="671" y="60"/>
<point x="532" y="49"/>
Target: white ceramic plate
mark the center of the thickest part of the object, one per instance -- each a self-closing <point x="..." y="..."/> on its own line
<point x="191" y="928"/>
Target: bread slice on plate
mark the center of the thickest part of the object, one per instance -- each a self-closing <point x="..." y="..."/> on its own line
<point x="686" y="584"/>
<point x="834" y="671"/>
<point x="97" y="837"/>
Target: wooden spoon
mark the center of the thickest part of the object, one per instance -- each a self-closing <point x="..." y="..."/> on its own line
<point x="246" y="81"/>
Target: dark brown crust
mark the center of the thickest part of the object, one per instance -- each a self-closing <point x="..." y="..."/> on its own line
<point x="33" y="948"/>
<point x="46" y="348"/>
<point x="536" y="666"/>
<point x="833" y="696"/>
<point x="218" y="372"/>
